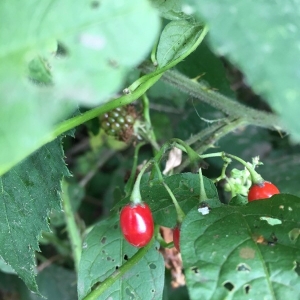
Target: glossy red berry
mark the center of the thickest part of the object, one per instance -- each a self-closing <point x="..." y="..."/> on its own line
<point x="176" y="237"/>
<point x="137" y="224"/>
<point x="262" y="191"/>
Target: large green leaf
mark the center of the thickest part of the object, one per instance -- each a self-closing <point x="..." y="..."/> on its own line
<point x="28" y="192"/>
<point x="238" y="252"/>
<point x="101" y="40"/>
<point x="262" y="39"/>
<point x="104" y="251"/>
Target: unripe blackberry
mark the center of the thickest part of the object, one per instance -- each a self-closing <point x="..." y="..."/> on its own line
<point x="119" y="122"/>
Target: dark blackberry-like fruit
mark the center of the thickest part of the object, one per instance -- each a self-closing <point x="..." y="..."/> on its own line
<point x="119" y="122"/>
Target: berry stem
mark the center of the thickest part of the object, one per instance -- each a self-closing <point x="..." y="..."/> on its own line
<point x="227" y="161"/>
<point x="129" y="185"/>
<point x="179" y="211"/>
<point x="136" y="197"/>
<point x="108" y="282"/>
<point x="159" y="156"/>
<point x="153" y="53"/>
<point x="209" y="136"/>
<point x="149" y="129"/>
<point x="255" y="177"/>
<point x="216" y="154"/>
<point x="202" y="195"/>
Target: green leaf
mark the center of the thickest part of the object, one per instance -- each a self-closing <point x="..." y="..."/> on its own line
<point x="234" y="253"/>
<point x="95" y="37"/>
<point x="28" y="192"/>
<point x="176" y="38"/>
<point x="104" y="251"/>
<point x="262" y="39"/>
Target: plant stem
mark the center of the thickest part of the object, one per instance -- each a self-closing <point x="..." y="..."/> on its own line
<point x="205" y="132"/>
<point x="230" y="107"/>
<point x="227" y="161"/>
<point x="218" y="134"/>
<point x="121" y="101"/>
<point x="153" y="53"/>
<point x="193" y="156"/>
<point x="146" y="113"/>
<point x="170" y="65"/>
<point x="160" y="239"/>
<point x="130" y="182"/>
<point x="212" y="138"/>
<point x="108" y="282"/>
<point x="72" y="229"/>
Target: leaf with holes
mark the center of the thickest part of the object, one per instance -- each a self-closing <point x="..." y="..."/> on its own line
<point x="186" y="189"/>
<point x="243" y="252"/>
<point x="105" y="251"/>
<point x="27" y="194"/>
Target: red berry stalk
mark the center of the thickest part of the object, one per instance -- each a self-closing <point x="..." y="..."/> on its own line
<point x="180" y="217"/>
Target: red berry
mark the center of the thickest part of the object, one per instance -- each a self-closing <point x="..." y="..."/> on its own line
<point x="262" y="191"/>
<point x="176" y="237"/>
<point x="137" y="224"/>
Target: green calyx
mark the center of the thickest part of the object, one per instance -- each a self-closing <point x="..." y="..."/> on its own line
<point x="256" y="178"/>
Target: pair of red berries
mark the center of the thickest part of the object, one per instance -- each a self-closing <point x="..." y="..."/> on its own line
<point x="137" y="222"/>
<point x="137" y="225"/>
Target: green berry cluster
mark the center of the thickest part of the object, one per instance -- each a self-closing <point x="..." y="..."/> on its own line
<point x="119" y="122"/>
